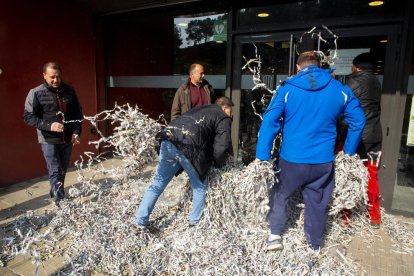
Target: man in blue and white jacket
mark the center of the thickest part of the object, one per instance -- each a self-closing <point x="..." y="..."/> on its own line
<point x="306" y="107"/>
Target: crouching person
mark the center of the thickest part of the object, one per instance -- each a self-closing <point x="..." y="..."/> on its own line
<point x="194" y="141"/>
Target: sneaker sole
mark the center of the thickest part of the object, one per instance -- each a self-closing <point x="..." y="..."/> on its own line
<point x="375" y="226"/>
<point x="274" y="247"/>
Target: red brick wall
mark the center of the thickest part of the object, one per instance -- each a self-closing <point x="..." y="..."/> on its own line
<point x="32" y="33"/>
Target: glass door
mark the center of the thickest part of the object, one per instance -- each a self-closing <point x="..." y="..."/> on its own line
<point x="277" y="63"/>
<point x="403" y="196"/>
<point x="261" y="63"/>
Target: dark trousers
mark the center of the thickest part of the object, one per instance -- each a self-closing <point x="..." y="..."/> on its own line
<point x="316" y="183"/>
<point x="57" y="159"/>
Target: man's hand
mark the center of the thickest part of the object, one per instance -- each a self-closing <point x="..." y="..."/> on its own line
<point x="75" y="139"/>
<point x="57" y="127"/>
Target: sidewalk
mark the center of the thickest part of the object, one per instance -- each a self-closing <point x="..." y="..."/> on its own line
<point x="378" y="258"/>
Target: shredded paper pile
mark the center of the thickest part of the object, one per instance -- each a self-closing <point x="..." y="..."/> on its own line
<point x="95" y="231"/>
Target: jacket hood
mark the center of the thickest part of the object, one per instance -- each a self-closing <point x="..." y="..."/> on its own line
<point x="311" y="78"/>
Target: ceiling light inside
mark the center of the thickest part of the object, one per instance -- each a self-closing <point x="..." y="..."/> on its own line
<point x="183" y="24"/>
<point x="384" y="41"/>
<point x="263" y="14"/>
<point x="376" y="3"/>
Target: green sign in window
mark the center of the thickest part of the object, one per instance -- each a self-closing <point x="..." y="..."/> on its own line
<point x="220" y="30"/>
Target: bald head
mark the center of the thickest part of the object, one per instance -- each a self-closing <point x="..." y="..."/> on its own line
<point x="196" y="73"/>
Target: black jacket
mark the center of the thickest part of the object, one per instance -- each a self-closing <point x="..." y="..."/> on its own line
<point x="42" y="108"/>
<point x="367" y="89"/>
<point x="203" y="135"/>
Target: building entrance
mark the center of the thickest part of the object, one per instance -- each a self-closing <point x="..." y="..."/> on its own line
<point x="262" y="61"/>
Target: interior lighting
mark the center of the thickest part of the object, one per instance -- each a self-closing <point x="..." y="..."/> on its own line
<point x="379" y="60"/>
<point x="384" y="41"/>
<point x="183" y="24"/>
<point x="376" y="3"/>
<point x="263" y="14"/>
<point x="219" y="41"/>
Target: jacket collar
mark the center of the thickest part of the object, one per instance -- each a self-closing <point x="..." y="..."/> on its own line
<point x="55" y="90"/>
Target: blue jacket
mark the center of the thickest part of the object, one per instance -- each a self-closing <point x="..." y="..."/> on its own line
<point x="307" y="107"/>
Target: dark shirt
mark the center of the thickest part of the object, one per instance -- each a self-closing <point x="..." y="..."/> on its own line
<point x="198" y="95"/>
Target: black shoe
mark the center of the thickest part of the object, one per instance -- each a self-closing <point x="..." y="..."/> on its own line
<point x="51" y="194"/>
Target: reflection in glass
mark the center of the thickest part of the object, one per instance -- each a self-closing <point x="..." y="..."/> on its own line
<point x="274" y="57"/>
<point x="404" y="188"/>
<point x="203" y="40"/>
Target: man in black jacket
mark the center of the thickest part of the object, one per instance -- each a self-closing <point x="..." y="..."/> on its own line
<point x="49" y="108"/>
<point x="367" y="89"/>
<point x="194" y="141"/>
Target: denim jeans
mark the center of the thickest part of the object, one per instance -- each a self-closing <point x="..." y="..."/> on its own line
<point x="171" y="159"/>
<point x="57" y="158"/>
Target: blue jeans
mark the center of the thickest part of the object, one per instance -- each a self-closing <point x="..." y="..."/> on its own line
<point x="57" y="159"/>
<point x="171" y="159"/>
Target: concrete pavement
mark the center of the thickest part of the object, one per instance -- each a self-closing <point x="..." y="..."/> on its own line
<point x="376" y="258"/>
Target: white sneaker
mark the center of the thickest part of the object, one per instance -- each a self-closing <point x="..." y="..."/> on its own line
<point x="274" y="245"/>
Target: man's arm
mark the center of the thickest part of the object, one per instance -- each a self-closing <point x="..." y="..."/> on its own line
<point x="354" y="86"/>
<point x="222" y="142"/>
<point x="31" y="110"/>
<point x="355" y="118"/>
<point x="176" y="106"/>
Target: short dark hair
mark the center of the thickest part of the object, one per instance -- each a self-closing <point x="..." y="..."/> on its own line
<point x="224" y="101"/>
<point x="309" y="58"/>
<point x="52" y="65"/>
<point x="364" y="61"/>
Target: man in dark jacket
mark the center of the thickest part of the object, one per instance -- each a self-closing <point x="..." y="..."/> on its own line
<point x="194" y="141"/>
<point x="49" y="108"/>
<point x="367" y="89"/>
<point x="196" y="91"/>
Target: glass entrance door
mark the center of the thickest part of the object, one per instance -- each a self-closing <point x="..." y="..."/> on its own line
<point x="264" y="65"/>
<point x="276" y="56"/>
<point x="403" y="197"/>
